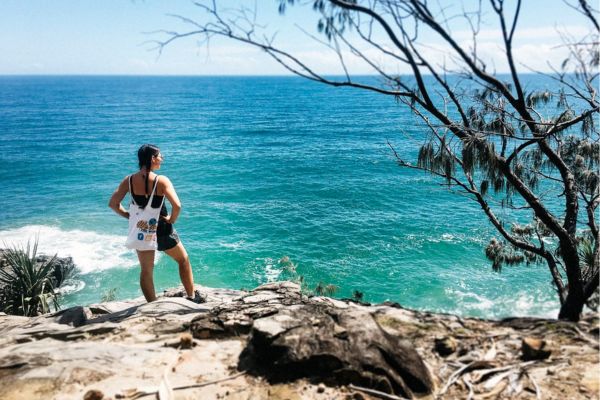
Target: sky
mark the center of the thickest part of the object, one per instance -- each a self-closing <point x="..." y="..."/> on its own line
<point x="113" y="37"/>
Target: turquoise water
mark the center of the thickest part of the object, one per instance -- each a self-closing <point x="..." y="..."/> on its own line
<point x="265" y="168"/>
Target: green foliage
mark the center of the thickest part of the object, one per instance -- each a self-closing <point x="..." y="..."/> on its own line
<point x="289" y="270"/>
<point x="500" y="254"/>
<point x="582" y="155"/>
<point x="585" y="248"/>
<point x="109" y="295"/>
<point x="358" y="296"/>
<point x="435" y="157"/>
<point x="323" y="289"/>
<point x="534" y="99"/>
<point x="28" y="285"/>
<point x="479" y="153"/>
<point x="333" y="21"/>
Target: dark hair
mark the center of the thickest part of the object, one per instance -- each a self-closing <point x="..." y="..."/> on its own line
<point x="145" y="154"/>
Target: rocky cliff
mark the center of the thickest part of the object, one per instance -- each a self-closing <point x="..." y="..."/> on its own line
<point x="276" y="343"/>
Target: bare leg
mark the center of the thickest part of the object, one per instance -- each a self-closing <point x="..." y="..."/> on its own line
<point x="146" y="274"/>
<point x="179" y="254"/>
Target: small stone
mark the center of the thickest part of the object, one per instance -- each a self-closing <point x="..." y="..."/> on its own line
<point x="534" y="349"/>
<point x="93" y="395"/>
<point x="204" y="328"/>
<point x="340" y="332"/>
<point x="590" y="380"/>
<point x="445" y="346"/>
<point x="563" y="375"/>
<point x="320" y="388"/>
<point x="186" y="341"/>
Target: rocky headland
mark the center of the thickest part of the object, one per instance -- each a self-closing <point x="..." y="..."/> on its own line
<point x="274" y="342"/>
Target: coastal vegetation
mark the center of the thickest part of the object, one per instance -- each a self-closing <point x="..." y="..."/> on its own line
<point x="109" y="295"/>
<point x="528" y="157"/>
<point x="289" y="269"/>
<point x="29" y="283"/>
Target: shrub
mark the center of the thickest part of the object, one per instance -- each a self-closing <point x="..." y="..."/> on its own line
<point x="358" y="296"/>
<point x="28" y="283"/>
<point x="323" y="289"/>
<point x="109" y="295"/>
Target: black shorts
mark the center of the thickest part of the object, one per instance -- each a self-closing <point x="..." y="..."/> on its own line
<point x="166" y="236"/>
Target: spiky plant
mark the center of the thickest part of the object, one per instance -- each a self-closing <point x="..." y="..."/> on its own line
<point x="110" y="295"/>
<point x="587" y="255"/>
<point x="27" y="286"/>
<point x="323" y="289"/>
<point x="357" y="295"/>
<point x="331" y="289"/>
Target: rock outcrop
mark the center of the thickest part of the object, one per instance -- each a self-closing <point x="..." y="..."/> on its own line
<point x="276" y="343"/>
<point x="292" y="337"/>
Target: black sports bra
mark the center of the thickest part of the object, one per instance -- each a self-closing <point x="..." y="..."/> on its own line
<point x="142" y="200"/>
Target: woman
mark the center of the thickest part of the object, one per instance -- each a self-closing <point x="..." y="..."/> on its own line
<point x="145" y="186"/>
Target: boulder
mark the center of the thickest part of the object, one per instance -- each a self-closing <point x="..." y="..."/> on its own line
<point x="534" y="349"/>
<point x="93" y="395"/>
<point x="338" y="347"/>
<point x="445" y="346"/>
<point x="292" y="336"/>
<point x="74" y="316"/>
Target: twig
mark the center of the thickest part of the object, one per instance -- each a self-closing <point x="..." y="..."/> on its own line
<point x="470" y="386"/>
<point x="376" y="393"/>
<point x="481" y="373"/>
<point x="454" y="377"/>
<point x="211" y="382"/>
<point x="584" y="337"/>
<point x="538" y="392"/>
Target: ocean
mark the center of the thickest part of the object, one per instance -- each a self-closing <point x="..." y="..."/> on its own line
<point x="266" y="168"/>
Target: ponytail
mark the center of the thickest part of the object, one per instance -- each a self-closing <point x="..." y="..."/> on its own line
<point x="145" y="154"/>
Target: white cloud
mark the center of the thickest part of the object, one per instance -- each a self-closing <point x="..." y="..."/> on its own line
<point x="534" y="48"/>
<point x="546" y="33"/>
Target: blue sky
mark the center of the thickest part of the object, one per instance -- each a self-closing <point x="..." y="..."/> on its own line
<point x="107" y="37"/>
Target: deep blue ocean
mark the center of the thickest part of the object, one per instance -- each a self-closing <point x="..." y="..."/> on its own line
<point x="266" y="168"/>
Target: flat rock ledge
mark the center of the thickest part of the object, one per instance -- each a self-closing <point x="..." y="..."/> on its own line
<point x="274" y="342"/>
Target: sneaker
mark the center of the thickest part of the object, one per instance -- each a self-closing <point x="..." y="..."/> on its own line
<point x="198" y="297"/>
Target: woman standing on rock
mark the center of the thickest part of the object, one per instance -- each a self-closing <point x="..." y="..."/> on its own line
<point x="150" y="225"/>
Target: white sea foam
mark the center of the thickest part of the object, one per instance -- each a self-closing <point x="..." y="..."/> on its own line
<point x="91" y="251"/>
<point x="271" y="271"/>
<point x="234" y="246"/>
<point x="446" y="237"/>
<point x="71" y="286"/>
<point x="518" y="304"/>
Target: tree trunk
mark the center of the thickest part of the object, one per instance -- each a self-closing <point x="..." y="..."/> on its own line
<point x="572" y="307"/>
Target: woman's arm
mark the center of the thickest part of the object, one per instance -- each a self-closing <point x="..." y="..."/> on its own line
<point x="117" y="197"/>
<point x="171" y="194"/>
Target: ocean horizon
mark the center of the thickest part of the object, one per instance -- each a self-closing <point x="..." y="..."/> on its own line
<point x="267" y="168"/>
